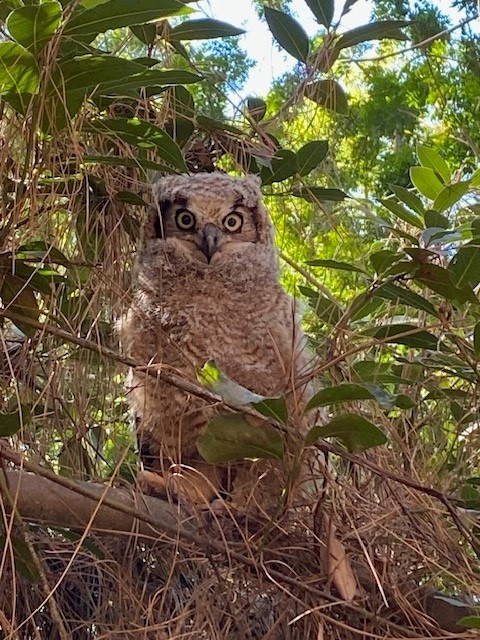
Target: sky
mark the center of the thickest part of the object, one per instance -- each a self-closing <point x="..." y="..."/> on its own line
<point x="258" y="42"/>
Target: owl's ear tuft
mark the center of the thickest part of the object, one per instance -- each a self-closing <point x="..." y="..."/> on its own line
<point x="254" y="180"/>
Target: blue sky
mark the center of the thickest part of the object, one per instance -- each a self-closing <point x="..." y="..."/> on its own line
<point x="258" y="43"/>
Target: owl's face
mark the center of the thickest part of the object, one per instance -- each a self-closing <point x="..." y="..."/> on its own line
<point x="207" y="228"/>
<point x="209" y="219"/>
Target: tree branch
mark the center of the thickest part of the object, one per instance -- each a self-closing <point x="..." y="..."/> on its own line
<point x="153" y="370"/>
<point x="44" y="501"/>
<point x="45" y="498"/>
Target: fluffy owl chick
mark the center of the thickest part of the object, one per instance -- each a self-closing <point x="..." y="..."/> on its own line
<point x="206" y="288"/>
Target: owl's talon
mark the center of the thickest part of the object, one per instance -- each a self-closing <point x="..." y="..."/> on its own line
<point x="193" y="487"/>
<point x="151" y="483"/>
<point x="221" y="507"/>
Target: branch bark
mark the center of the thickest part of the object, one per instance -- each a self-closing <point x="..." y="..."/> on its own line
<point x="44" y="501"/>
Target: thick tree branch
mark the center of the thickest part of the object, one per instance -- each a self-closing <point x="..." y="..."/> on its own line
<point x="116" y="511"/>
<point x="44" y="501"/>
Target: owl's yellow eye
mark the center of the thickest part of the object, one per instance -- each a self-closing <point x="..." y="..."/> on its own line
<point x="233" y="221"/>
<point x="185" y="220"/>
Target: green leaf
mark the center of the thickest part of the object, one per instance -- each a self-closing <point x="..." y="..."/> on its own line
<point x="82" y="72"/>
<point x="327" y="310"/>
<point x="476" y="339"/>
<point x="377" y="372"/>
<point x="426" y="181"/>
<point x="400" y="295"/>
<point x="18" y="70"/>
<point x="383" y="259"/>
<point x="328" y="94"/>
<point x="335" y="264"/>
<point x="40" y="249"/>
<point x="403" y="401"/>
<point x="24" y="563"/>
<point x="407" y="334"/>
<point x="347" y="7"/>
<point x="420" y="255"/>
<point x="29" y="277"/>
<point x="343" y="392"/>
<point x="216" y="380"/>
<point x="112" y="75"/>
<point x="355" y="432"/>
<point x="363" y="305"/>
<point x="409" y="198"/>
<point x="310" y="155"/>
<point x="284" y="165"/>
<point x="182" y="102"/>
<point x="203" y="29"/>
<point x="428" y="157"/>
<point x="275" y="408"/>
<point x="209" y="124"/>
<point x="257" y="108"/>
<point x="450" y="195"/>
<point x="435" y="219"/>
<point x="319" y="194"/>
<point x="440" y="280"/>
<point x="235" y="437"/>
<point x="465" y="266"/>
<point x="447" y="363"/>
<point x="470" y="622"/>
<point x="10" y="423"/>
<point x="116" y="161"/>
<point x="144" y="135"/>
<point x="131" y="198"/>
<point x="401" y="268"/>
<point x="180" y="129"/>
<point x="32" y="26"/>
<point x="323" y="11"/>
<point x="475" y="178"/>
<point x="19" y="297"/>
<point x="146" y="33"/>
<point x="289" y="34"/>
<point x="121" y="13"/>
<point x="152" y="79"/>
<point x="402" y="212"/>
<point x="373" y="31"/>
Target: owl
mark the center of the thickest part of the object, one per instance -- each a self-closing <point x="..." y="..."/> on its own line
<point x="206" y="287"/>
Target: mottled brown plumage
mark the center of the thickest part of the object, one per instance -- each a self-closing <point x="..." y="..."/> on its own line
<point x="206" y="287"/>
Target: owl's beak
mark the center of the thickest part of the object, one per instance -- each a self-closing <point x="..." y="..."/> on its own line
<point x="210" y="237"/>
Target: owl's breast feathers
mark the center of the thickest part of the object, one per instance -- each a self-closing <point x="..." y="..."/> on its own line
<point x="244" y="334"/>
<point x="254" y="340"/>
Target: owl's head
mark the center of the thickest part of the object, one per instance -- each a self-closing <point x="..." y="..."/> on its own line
<point x="209" y="220"/>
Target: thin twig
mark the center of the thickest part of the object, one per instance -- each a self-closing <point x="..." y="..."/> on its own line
<point x="407" y="482"/>
<point x="308" y="276"/>
<point x="418" y="45"/>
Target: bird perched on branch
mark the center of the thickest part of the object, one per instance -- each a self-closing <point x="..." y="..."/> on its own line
<point x="206" y="288"/>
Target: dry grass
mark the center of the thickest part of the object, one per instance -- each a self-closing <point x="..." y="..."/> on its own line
<point x="401" y="542"/>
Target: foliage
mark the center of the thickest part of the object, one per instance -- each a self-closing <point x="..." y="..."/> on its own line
<point x="369" y="162"/>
